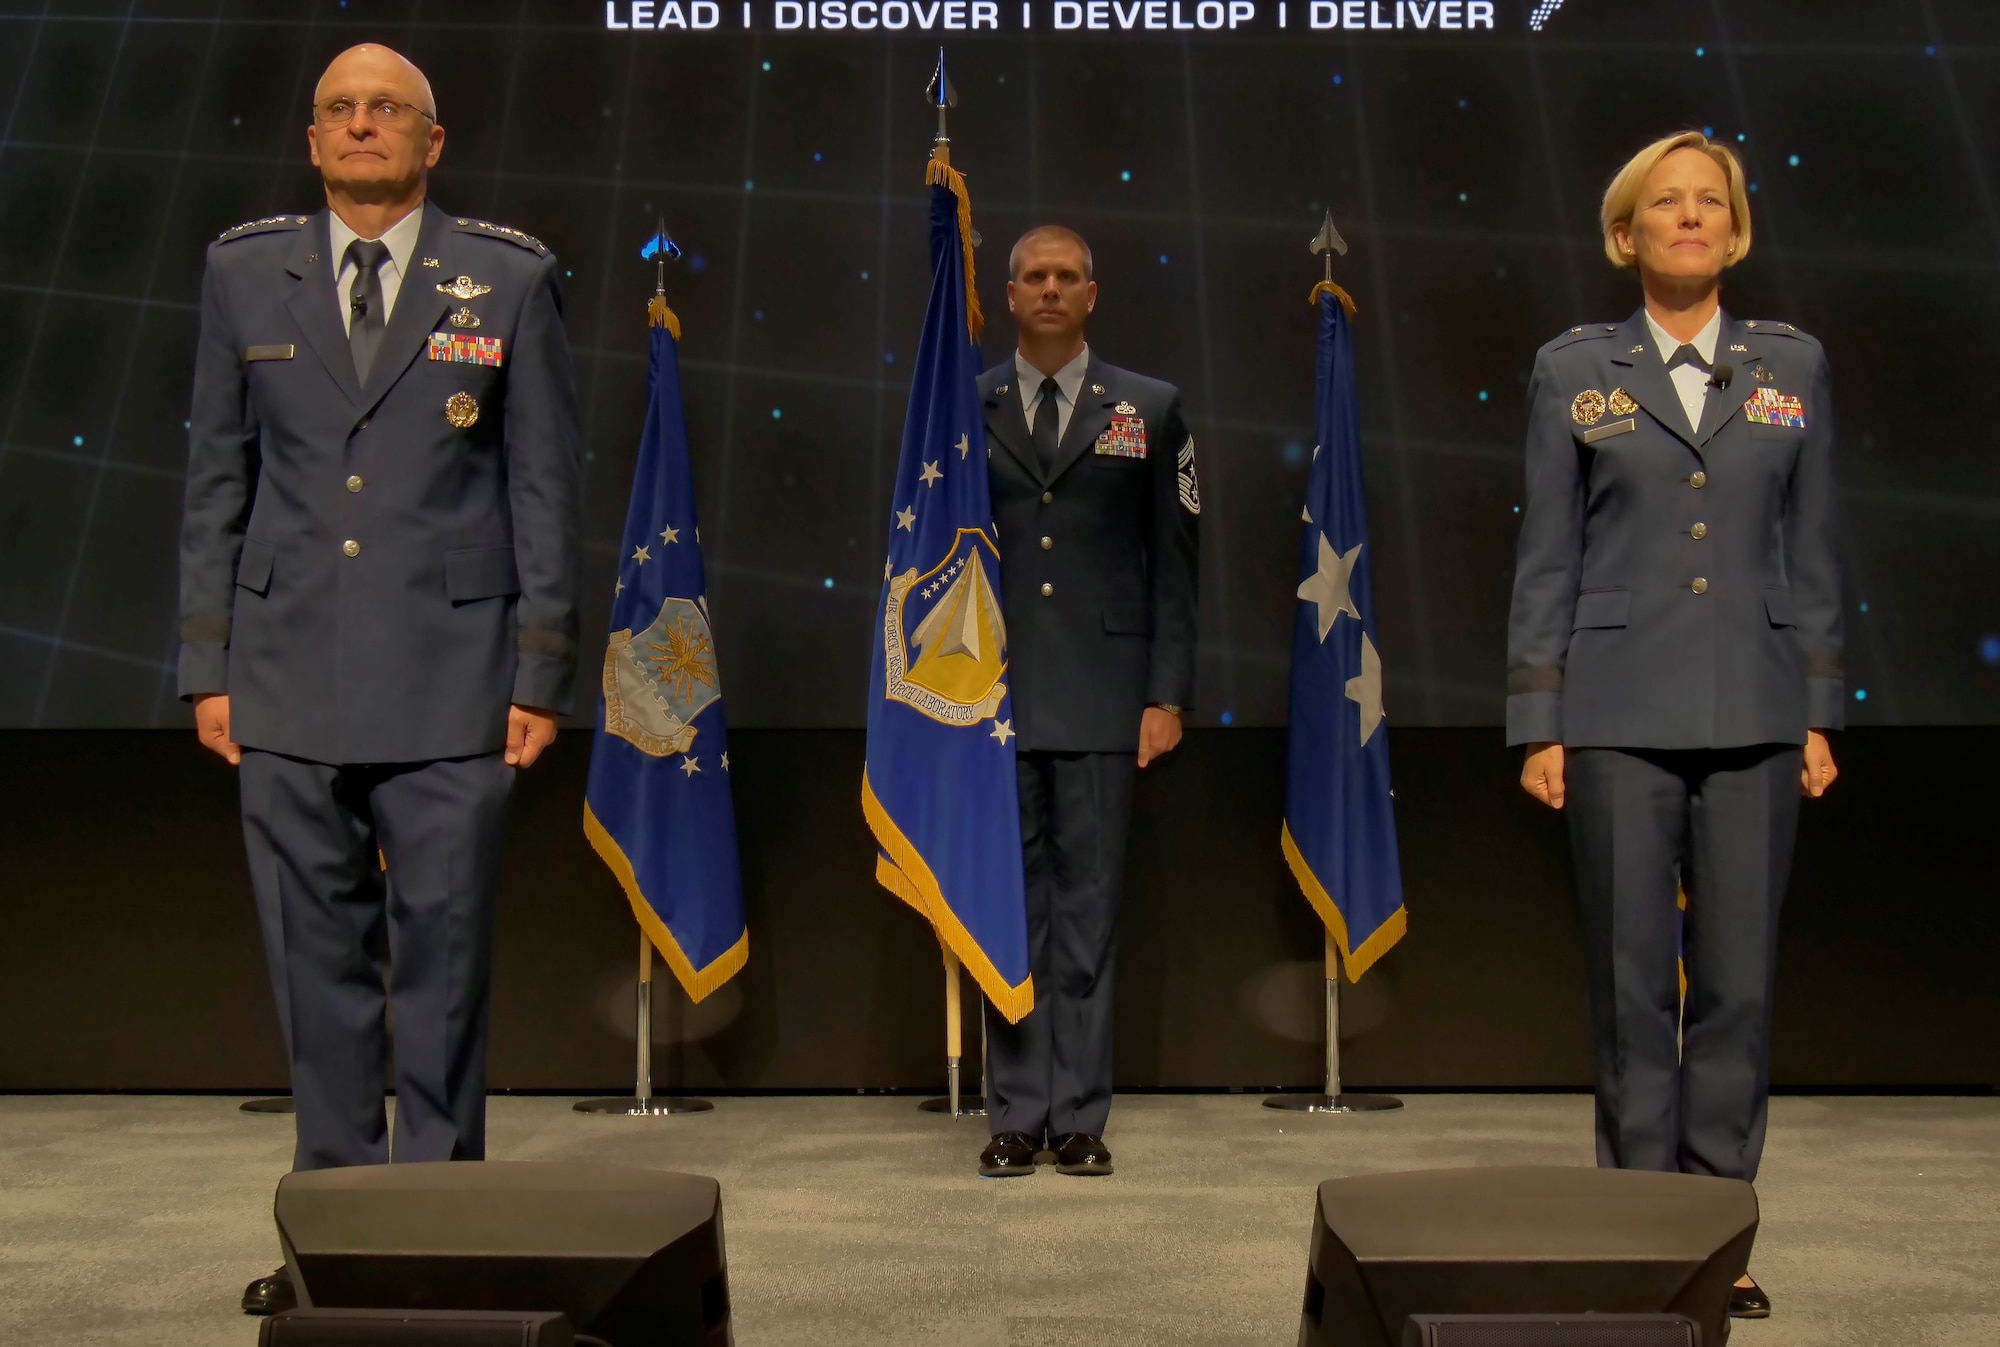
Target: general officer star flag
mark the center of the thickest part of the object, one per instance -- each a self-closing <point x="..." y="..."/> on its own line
<point x="1340" y="824"/>
<point x="939" y="790"/>
<point x="658" y="806"/>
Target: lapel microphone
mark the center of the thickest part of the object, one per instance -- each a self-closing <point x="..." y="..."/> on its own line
<point x="1722" y="375"/>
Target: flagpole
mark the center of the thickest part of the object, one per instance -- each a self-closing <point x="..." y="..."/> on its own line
<point x="643" y="1102"/>
<point x="956" y="1103"/>
<point x="1332" y="1100"/>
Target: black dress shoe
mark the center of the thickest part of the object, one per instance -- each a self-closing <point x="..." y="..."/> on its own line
<point x="1008" y="1155"/>
<point x="1082" y="1153"/>
<point x="270" y="1295"/>
<point x="1749" y="1302"/>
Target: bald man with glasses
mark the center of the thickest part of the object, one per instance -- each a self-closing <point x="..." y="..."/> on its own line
<point x="379" y="557"/>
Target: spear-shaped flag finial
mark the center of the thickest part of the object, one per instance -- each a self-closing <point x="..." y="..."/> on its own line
<point x="1328" y="241"/>
<point x="940" y="94"/>
<point x="659" y="248"/>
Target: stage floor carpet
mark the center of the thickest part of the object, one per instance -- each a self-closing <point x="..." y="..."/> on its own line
<point x="137" y="1219"/>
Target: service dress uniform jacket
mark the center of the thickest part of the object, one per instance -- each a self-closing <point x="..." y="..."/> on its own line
<point x="1098" y="578"/>
<point x="372" y="572"/>
<point x="1676" y="626"/>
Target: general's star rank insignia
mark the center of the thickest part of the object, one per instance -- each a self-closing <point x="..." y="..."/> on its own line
<point x="463" y="288"/>
<point x="1587" y="409"/>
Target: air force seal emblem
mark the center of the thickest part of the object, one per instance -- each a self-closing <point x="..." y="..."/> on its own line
<point x="944" y="640"/>
<point x="657" y="682"/>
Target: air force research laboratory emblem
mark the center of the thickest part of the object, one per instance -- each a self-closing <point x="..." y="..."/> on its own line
<point x="944" y="640"/>
<point x="657" y="682"/>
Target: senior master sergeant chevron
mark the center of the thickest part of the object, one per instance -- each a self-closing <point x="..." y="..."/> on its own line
<point x="378" y="604"/>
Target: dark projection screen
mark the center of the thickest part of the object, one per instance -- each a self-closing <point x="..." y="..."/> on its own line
<point x="1463" y="164"/>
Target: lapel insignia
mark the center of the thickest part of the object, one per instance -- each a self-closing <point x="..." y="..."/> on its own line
<point x="1637" y="349"/>
<point x="1587" y="408"/>
<point x="1620" y="403"/>
<point x="1768" y="407"/>
<point x="311" y="258"/>
<point x="464" y="288"/>
<point x="1001" y="389"/>
<point x="462" y="410"/>
<point x="457" y="350"/>
<point x="1126" y="409"/>
<point x="1097" y="389"/>
<point x="465" y="318"/>
<point x="1125" y="437"/>
<point x="1739" y="347"/>
<point x="430" y="262"/>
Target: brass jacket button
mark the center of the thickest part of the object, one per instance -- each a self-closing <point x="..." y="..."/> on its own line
<point x="1699" y="530"/>
<point x="1048" y="589"/>
<point x="1048" y="497"/>
<point x="354" y="484"/>
<point x="1700" y="585"/>
<point x="1047" y="542"/>
<point x="351" y="548"/>
<point x="1699" y="480"/>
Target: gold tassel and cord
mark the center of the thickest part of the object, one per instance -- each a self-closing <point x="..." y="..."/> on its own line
<point x="1329" y="288"/>
<point x="659" y="315"/>
<point x="939" y="173"/>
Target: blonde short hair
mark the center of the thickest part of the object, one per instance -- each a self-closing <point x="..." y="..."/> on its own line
<point x="1621" y="198"/>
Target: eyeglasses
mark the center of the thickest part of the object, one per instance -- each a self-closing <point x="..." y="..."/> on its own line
<point x="384" y="112"/>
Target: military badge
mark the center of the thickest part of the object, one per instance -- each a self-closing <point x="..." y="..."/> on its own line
<point x="1763" y="375"/>
<point x="463" y="288"/>
<point x="657" y="682"/>
<point x="944" y="639"/>
<point x="1125" y="437"/>
<point x="1587" y="408"/>
<point x="462" y="410"/>
<point x="465" y="317"/>
<point x="1768" y="407"/>
<point x="1620" y="403"/>
<point x="1189" y="487"/>
<point x="449" y="346"/>
<point x="1126" y="409"/>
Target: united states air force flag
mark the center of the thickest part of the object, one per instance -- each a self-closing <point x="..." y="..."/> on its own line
<point x="939" y="790"/>
<point x="1340" y="825"/>
<point x="658" y="807"/>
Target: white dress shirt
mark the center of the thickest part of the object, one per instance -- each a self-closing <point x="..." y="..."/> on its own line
<point x="1069" y="386"/>
<point x="402" y="240"/>
<point x="1689" y="381"/>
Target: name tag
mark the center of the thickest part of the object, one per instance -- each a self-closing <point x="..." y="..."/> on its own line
<point x="279" y="351"/>
<point x="1606" y="431"/>
<point x="461" y="350"/>
<point x="1125" y="437"/>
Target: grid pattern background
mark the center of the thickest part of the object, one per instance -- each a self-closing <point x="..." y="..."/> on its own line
<point x="1463" y="170"/>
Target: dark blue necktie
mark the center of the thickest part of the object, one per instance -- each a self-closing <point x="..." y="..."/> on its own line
<point x="366" y="308"/>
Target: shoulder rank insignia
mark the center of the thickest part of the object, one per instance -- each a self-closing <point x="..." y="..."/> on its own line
<point x="463" y="288"/>
<point x="1620" y="403"/>
<point x="1768" y="407"/>
<point x="1125" y="437"/>
<point x="1587" y="408"/>
<point x="1190" y="489"/>
<point x="492" y="230"/>
<point x="260" y="226"/>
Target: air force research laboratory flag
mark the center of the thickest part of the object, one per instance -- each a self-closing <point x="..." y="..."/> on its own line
<point x="658" y="806"/>
<point x="939" y="789"/>
<point x="1340" y="824"/>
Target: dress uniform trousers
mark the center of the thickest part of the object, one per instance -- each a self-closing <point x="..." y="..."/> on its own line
<point x="1682" y="1086"/>
<point x="1051" y="1073"/>
<point x="312" y="831"/>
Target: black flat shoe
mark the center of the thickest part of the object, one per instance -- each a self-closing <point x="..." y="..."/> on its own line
<point x="1008" y="1155"/>
<point x="1749" y="1302"/>
<point x="270" y="1295"/>
<point x="1081" y="1153"/>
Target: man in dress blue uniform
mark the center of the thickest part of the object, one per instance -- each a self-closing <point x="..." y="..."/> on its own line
<point x="378" y="604"/>
<point x="1095" y="497"/>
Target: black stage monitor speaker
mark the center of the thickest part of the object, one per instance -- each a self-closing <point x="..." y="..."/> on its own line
<point x="416" y="1328"/>
<point x="1551" y="1330"/>
<point x="631" y="1256"/>
<point x="1522" y="1240"/>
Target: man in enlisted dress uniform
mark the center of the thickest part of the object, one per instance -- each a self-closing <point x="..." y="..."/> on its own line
<point x="378" y="605"/>
<point x="1094" y="494"/>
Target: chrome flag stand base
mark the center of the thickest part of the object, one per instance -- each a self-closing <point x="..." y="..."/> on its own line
<point x="956" y="1104"/>
<point x="1332" y="1101"/>
<point x="643" y="1102"/>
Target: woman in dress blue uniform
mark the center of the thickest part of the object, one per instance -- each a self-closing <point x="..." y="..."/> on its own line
<point x="1674" y="658"/>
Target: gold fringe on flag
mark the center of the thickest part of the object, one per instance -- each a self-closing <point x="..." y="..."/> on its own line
<point x="659" y="315"/>
<point x="1329" y="288"/>
<point x="939" y="173"/>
